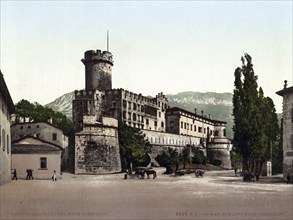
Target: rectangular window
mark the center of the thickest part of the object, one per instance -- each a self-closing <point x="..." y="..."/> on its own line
<point x="54" y="137"/>
<point x="129" y="115"/>
<point x="194" y="127"/>
<point x="3" y="139"/>
<point x="129" y="105"/>
<point x="8" y="144"/>
<point x="43" y="162"/>
<point x="181" y="124"/>
<point x="200" y="129"/>
<point x="156" y="124"/>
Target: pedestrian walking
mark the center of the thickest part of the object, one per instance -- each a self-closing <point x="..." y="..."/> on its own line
<point x="235" y="170"/>
<point x="54" y="177"/>
<point x="288" y="178"/>
<point x="31" y="174"/>
<point x="14" y="175"/>
<point x="27" y="174"/>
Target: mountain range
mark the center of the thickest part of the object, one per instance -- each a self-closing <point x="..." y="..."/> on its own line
<point x="216" y="105"/>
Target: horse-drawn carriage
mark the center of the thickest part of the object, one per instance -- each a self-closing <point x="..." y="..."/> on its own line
<point x="199" y="173"/>
<point x="141" y="171"/>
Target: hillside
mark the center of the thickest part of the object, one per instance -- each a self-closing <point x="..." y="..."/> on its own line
<point x="218" y="105"/>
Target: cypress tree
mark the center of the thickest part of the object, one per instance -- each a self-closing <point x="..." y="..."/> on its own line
<point x="255" y="121"/>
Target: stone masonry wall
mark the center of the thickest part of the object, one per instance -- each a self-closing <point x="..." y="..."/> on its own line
<point x="97" y="149"/>
<point x="288" y="134"/>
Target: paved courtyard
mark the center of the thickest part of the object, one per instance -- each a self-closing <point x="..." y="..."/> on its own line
<point x="218" y="195"/>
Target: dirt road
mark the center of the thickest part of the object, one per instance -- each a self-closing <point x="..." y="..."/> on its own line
<point x="218" y="195"/>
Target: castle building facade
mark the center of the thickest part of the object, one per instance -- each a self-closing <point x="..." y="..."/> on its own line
<point x="6" y="109"/>
<point x="180" y="121"/>
<point x="287" y="132"/>
<point x="162" y="125"/>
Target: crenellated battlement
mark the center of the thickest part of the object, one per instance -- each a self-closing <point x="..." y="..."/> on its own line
<point x="86" y="94"/>
<point x="98" y="55"/>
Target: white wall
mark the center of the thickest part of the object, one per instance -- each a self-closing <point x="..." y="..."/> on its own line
<point x="22" y="162"/>
<point x="5" y="143"/>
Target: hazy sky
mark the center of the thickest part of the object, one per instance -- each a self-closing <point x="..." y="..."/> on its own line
<point x="157" y="46"/>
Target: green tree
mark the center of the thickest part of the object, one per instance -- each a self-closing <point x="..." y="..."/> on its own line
<point x="38" y="113"/>
<point x="133" y="147"/>
<point x="169" y="158"/>
<point x="186" y="155"/>
<point x="255" y="120"/>
<point x="199" y="157"/>
<point x="24" y="109"/>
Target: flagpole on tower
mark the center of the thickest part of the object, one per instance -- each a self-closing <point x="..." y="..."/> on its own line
<point x="107" y="40"/>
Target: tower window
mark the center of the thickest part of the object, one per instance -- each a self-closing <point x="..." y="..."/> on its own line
<point x="54" y="136"/>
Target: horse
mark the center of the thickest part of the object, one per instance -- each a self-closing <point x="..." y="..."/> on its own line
<point x="151" y="172"/>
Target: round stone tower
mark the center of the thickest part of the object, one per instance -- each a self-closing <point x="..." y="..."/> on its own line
<point x="98" y="70"/>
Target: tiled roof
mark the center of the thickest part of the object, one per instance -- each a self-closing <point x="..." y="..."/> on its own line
<point x="35" y="138"/>
<point x="33" y="149"/>
<point x="5" y="93"/>
<point x="174" y="109"/>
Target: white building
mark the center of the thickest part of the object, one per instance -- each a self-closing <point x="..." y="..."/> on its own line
<point x="43" y="131"/>
<point x="7" y="108"/>
<point x="37" y="155"/>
